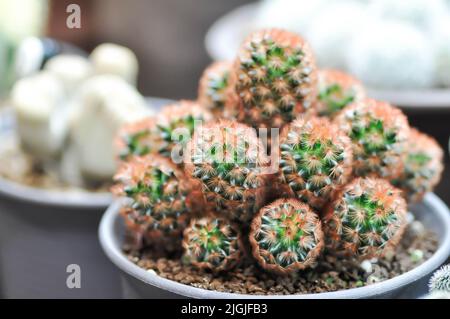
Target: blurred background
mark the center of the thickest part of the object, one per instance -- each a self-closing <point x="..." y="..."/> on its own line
<point x="168" y="37"/>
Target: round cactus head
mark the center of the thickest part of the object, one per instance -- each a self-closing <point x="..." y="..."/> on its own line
<point x="367" y="218"/>
<point x="172" y="127"/>
<point x="159" y="200"/>
<point x="213" y="87"/>
<point x="274" y="79"/>
<point x="316" y="158"/>
<point x="286" y="236"/>
<point x="211" y="243"/>
<point x="440" y="281"/>
<point x="422" y="166"/>
<point x="379" y="133"/>
<point x="229" y="161"/>
<point x="337" y="90"/>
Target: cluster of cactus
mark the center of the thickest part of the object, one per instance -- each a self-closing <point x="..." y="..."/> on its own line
<point x="330" y="189"/>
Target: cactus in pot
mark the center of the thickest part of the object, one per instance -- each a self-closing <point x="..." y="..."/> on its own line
<point x="379" y="133"/>
<point x="273" y="80"/>
<point x="104" y="104"/>
<point x="337" y="90"/>
<point x="422" y="166"/>
<point x="211" y="243"/>
<point x="110" y="58"/>
<point x="161" y="134"/>
<point x="213" y="87"/>
<point x="160" y="200"/>
<point x="366" y="219"/>
<point x="286" y="236"/>
<point x="316" y="159"/>
<point x="42" y="120"/>
<point x="228" y="159"/>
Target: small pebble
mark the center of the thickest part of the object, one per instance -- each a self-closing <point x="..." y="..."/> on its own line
<point x="366" y="265"/>
<point x="416" y="255"/>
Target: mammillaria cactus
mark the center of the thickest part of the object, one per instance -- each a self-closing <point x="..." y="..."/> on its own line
<point x="440" y="281"/>
<point x="286" y="236"/>
<point x="211" y="243"/>
<point x="213" y="87"/>
<point x="421" y="166"/>
<point x="379" y="133"/>
<point x="274" y="79"/>
<point x="229" y="160"/>
<point x="367" y="218"/>
<point x="173" y="126"/>
<point x="337" y="90"/>
<point x="316" y="159"/>
<point x="160" y="199"/>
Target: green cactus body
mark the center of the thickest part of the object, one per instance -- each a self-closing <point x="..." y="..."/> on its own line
<point x="228" y="159"/>
<point x="211" y="243"/>
<point x="336" y="91"/>
<point x="379" y="134"/>
<point x="159" y="200"/>
<point x="213" y="88"/>
<point x="274" y="79"/>
<point x="286" y="236"/>
<point x="367" y="218"/>
<point x="422" y="166"/>
<point x="160" y="135"/>
<point x="316" y="159"/>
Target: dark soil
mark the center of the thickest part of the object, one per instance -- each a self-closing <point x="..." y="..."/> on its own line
<point x="331" y="273"/>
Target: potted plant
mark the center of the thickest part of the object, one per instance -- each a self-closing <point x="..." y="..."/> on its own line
<point x="53" y="189"/>
<point x="323" y="214"/>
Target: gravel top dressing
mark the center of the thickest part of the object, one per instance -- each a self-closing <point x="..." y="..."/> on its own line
<point x="330" y="274"/>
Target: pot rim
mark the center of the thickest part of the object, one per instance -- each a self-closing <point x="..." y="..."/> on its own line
<point x="111" y="246"/>
<point x="60" y="198"/>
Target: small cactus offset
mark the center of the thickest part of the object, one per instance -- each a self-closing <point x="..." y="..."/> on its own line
<point x="274" y="79"/>
<point x="316" y="159"/>
<point x="286" y="236"/>
<point x="367" y="218"/>
<point x="422" y="166"/>
<point x="440" y="281"/>
<point x="159" y="200"/>
<point x="213" y="87"/>
<point x="211" y="243"/>
<point x="337" y="90"/>
<point x="379" y="133"/>
<point x="229" y="161"/>
<point x="173" y="126"/>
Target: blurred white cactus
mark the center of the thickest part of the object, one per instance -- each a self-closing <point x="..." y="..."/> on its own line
<point x="106" y="102"/>
<point x="38" y="101"/>
<point x="71" y="70"/>
<point x="111" y="58"/>
<point x="440" y="281"/>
